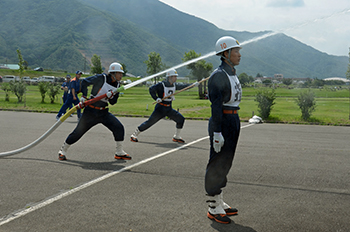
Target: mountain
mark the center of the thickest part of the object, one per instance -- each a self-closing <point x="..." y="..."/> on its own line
<point x="275" y="54"/>
<point x="61" y="34"/>
<point x="64" y="34"/>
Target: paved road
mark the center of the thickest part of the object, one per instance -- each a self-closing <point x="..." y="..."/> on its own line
<point x="284" y="178"/>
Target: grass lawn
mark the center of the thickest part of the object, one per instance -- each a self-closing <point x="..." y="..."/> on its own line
<point x="332" y="105"/>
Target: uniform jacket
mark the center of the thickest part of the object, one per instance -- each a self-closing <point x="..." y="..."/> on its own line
<point x="97" y="81"/>
<point x="66" y="84"/>
<point x="157" y="90"/>
<point x="75" y="84"/>
<point x="219" y="89"/>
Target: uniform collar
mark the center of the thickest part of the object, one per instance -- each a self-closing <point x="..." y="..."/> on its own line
<point x="228" y="68"/>
<point x="167" y="83"/>
<point x="109" y="78"/>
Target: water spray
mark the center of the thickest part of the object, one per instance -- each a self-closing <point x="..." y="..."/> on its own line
<point x="82" y="105"/>
<point x="166" y="70"/>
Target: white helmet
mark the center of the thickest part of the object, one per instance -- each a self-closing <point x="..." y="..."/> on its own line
<point x="115" y="67"/>
<point x="226" y="43"/>
<point x="171" y="72"/>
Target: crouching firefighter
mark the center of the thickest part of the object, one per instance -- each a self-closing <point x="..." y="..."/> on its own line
<point x="97" y="112"/>
<point x="162" y="93"/>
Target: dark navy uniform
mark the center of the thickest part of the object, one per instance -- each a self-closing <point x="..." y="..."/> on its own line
<point x="98" y="112"/>
<point x="65" y="93"/>
<point x="164" y="108"/>
<point x="225" y="94"/>
<point x="73" y="84"/>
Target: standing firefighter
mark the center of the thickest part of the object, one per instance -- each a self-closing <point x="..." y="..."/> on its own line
<point x="163" y="107"/>
<point x="98" y="112"/>
<point x="225" y="94"/>
<point x="72" y="97"/>
<point x="65" y="88"/>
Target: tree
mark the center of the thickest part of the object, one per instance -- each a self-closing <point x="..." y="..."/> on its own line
<point x="96" y="67"/>
<point x="6" y="87"/>
<point x="244" y="79"/>
<point x="19" y="88"/>
<point x="124" y="69"/>
<point x="317" y="82"/>
<point x="43" y="88"/>
<point x="267" y="82"/>
<point x="25" y="63"/>
<point x="53" y="91"/>
<point x="200" y="69"/>
<point x="287" y="81"/>
<point x="266" y="100"/>
<point x="154" y="64"/>
<point x="307" y="103"/>
<point x="307" y="83"/>
<point x="20" y="63"/>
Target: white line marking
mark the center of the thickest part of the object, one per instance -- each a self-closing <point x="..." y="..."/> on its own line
<point x="42" y="204"/>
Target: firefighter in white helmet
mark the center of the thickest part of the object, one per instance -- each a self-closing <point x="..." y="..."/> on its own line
<point x="97" y="112"/>
<point x="163" y="107"/>
<point x="225" y="94"/>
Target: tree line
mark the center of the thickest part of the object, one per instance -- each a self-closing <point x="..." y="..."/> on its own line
<point x="199" y="70"/>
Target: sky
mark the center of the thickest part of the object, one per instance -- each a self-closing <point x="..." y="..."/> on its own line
<point x="321" y="24"/>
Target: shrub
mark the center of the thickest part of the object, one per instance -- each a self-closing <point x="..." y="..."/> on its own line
<point x="6" y="87"/>
<point x="266" y="100"/>
<point x="307" y="104"/>
<point x="19" y="88"/>
<point x="53" y="91"/>
<point x="43" y="88"/>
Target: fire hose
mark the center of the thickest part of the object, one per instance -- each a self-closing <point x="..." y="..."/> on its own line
<point x="82" y="105"/>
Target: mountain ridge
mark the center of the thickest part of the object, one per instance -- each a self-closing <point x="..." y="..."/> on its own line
<point x="65" y="34"/>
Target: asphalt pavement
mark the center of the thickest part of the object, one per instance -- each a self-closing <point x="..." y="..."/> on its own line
<point x="284" y="178"/>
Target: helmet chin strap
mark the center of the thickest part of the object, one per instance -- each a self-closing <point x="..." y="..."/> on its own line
<point x="170" y="81"/>
<point x="114" y="79"/>
<point x="227" y="59"/>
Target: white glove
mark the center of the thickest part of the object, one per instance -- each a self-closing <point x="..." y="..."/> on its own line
<point x="83" y="99"/>
<point x="158" y="100"/>
<point x="218" y="141"/>
<point x="109" y="94"/>
<point x="195" y="84"/>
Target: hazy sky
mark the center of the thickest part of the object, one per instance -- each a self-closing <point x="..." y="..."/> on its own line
<point x="322" y="24"/>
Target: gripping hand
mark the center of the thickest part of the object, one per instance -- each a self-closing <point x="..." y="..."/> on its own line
<point x="109" y="94"/>
<point x="83" y="99"/>
<point x="195" y="84"/>
<point x="158" y="100"/>
<point x="81" y="103"/>
<point x="218" y="141"/>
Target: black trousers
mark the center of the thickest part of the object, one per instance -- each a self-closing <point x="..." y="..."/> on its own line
<point x="159" y="113"/>
<point x="220" y="163"/>
<point x="92" y="117"/>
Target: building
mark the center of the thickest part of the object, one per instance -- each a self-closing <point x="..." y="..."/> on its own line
<point x="278" y="76"/>
<point x="9" y="66"/>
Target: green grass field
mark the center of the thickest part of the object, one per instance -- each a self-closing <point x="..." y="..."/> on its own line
<point x="332" y="105"/>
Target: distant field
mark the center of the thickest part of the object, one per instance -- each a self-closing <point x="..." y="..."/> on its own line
<point x="332" y="105"/>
